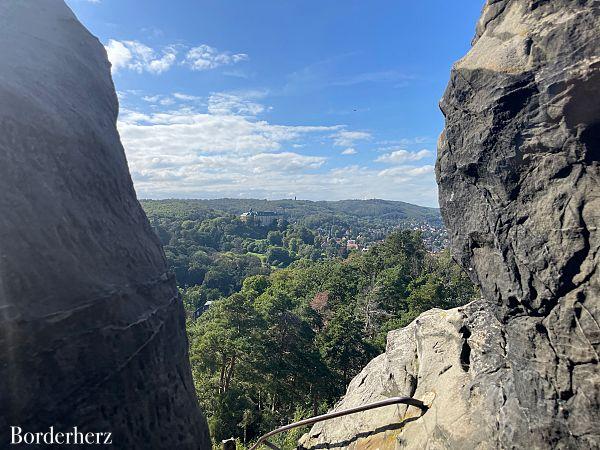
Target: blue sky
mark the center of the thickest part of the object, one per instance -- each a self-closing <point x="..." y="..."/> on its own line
<point x="322" y="100"/>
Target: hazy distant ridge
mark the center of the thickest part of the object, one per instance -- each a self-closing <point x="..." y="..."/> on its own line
<point x="299" y="209"/>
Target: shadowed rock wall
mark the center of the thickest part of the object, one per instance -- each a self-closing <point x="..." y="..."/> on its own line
<point x="92" y="332"/>
<point x="519" y="178"/>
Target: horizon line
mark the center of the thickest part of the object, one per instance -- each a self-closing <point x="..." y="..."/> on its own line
<point x="281" y="199"/>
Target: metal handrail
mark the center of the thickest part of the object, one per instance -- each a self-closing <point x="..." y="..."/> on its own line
<point x="332" y="415"/>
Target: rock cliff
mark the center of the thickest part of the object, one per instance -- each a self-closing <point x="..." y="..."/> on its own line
<point x="91" y="328"/>
<point x="519" y="178"/>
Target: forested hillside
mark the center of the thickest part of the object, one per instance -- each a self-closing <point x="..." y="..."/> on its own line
<point x="281" y="317"/>
<point x="208" y="245"/>
<point x="375" y="209"/>
<point x="285" y="346"/>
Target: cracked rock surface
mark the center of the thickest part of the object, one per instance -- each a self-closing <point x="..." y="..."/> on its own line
<point x="519" y="178"/>
<point x="91" y="328"/>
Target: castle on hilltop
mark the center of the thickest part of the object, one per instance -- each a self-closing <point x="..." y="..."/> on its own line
<point x="262" y="218"/>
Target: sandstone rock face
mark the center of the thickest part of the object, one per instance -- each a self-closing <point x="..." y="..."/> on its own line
<point x="449" y="359"/>
<point x="518" y="160"/>
<point x="91" y="327"/>
<point x="519" y="177"/>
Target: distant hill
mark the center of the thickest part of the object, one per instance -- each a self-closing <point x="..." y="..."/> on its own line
<point x="298" y="210"/>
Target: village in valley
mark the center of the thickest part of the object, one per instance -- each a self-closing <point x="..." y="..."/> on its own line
<point x="348" y="238"/>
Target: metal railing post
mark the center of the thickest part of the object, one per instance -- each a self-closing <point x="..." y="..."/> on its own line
<point x="332" y="415"/>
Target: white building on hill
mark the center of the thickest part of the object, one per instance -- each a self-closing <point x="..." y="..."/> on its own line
<point x="262" y="218"/>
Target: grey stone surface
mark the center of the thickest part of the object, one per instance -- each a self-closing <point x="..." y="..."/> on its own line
<point x="519" y="178"/>
<point x="91" y="328"/>
<point x="444" y="358"/>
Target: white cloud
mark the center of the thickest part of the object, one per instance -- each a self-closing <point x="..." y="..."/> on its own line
<point x="159" y="100"/>
<point x="349" y="151"/>
<point x="284" y="162"/>
<point x="167" y="101"/>
<point x="409" y="141"/>
<point x="345" y="138"/>
<point x="118" y="54"/>
<point x="205" y="57"/>
<point x="185" y="97"/>
<point x="402" y="156"/>
<point x="236" y="73"/>
<point x="134" y="55"/>
<point x="387" y="76"/>
<point x="234" y="104"/>
<point x="186" y="153"/>
<point x="402" y="172"/>
<point x="139" y="57"/>
<point x="283" y="177"/>
<point x="186" y="130"/>
<point x="161" y="64"/>
<point x="152" y="98"/>
<point x="186" y="166"/>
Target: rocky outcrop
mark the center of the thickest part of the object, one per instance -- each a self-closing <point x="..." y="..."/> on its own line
<point x="91" y="328"/>
<point x="451" y="360"/>
<point x="519" y="178"/>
